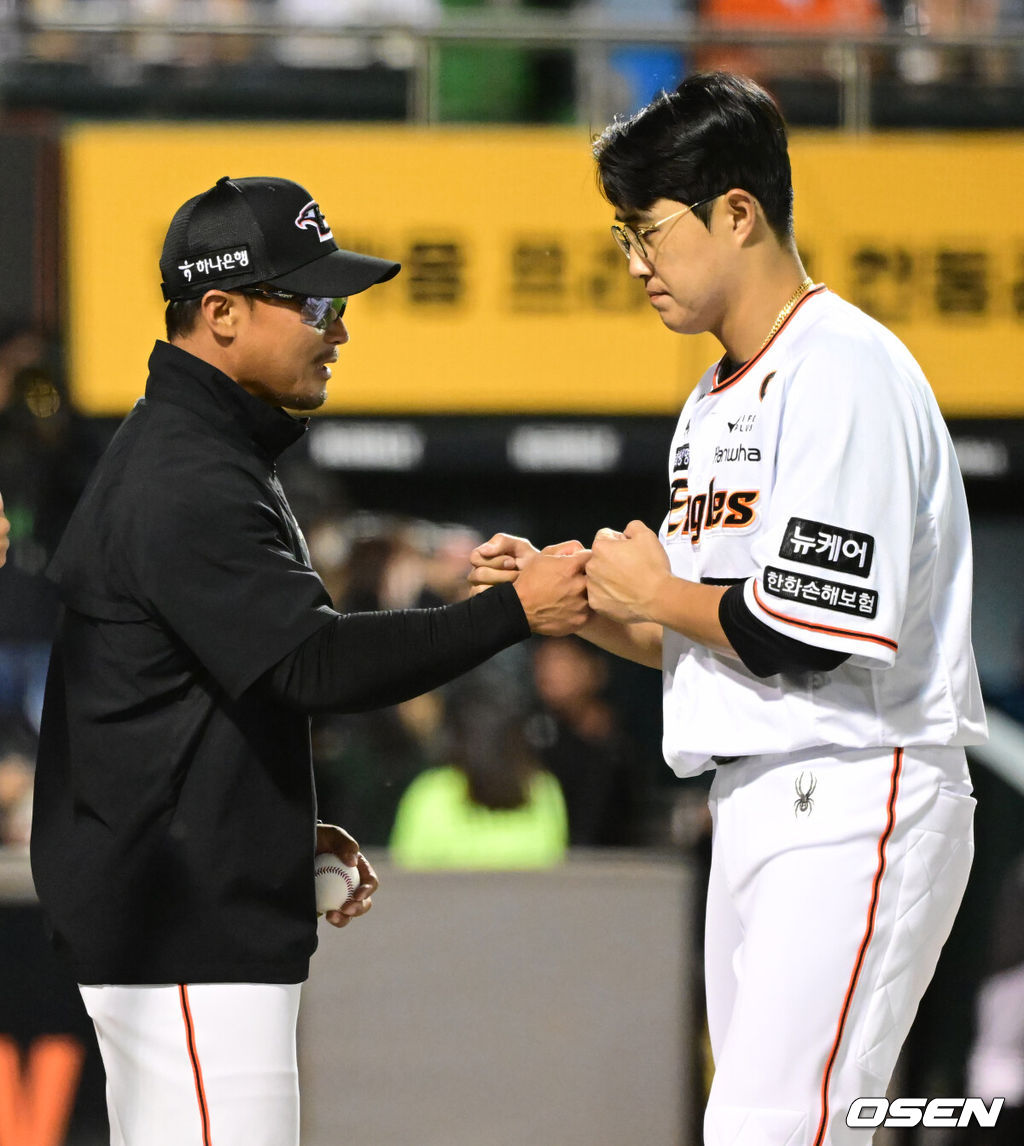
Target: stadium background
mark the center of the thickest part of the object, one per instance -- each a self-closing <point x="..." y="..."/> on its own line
<point x="511" y="378"/>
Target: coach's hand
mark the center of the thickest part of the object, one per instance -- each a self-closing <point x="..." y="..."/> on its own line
<point x="5" y="529"/>
<point x="552" y="588"/>
<point x="626" y="573"/>
<point x="505" y="556"/>
<point x="337" y="841"/>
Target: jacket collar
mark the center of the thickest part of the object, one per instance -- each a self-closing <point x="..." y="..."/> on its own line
<point x="180" y="378"/>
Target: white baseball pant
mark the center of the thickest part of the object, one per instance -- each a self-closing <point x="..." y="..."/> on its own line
<point x="835" y="879"/>
<point x="211" y="1064"/>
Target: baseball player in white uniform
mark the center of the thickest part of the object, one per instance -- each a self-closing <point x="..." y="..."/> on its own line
<point x="808" y="599"/>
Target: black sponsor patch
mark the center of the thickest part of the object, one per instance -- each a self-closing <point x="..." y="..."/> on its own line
<point x="817" y="591"/>
<point x="683" y="456"/>
<point x="215" y="264"/>
<point x="828" y="546"/>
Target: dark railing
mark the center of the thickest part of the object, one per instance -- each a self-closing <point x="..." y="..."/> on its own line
<point x="861" y="78"/>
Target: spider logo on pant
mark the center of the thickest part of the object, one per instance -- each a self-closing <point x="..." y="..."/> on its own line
<point x="803" y="801"/>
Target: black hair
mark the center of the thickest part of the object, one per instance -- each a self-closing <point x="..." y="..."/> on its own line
<point x="716" y="131"/>
<point x="180" y="317"/>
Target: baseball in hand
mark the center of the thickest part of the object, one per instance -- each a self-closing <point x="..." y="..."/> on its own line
<point x="336" y="882"/>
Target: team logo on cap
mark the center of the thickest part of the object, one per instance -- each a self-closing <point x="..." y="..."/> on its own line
<point x="312" y="218"/>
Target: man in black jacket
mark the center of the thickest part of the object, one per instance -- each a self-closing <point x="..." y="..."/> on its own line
<point x="174" y="828"/>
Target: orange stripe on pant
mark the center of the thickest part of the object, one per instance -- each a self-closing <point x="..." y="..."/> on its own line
<point x="193" y="1054"/>
<point x="894" y="788"/>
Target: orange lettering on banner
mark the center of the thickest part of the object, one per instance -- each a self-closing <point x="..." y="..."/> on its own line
<point x="36" y="1103"/>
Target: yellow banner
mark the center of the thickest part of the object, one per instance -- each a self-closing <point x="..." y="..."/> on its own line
<point x="513" y="298"/>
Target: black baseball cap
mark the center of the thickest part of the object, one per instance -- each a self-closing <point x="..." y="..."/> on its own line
<point x="261" y="230"/>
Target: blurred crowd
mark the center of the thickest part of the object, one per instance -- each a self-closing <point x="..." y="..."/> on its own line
<point x="522" y="757"/>
<point x="510" y="81"/>
<point x="46" y="454"/>
<point x="941" y="17"/>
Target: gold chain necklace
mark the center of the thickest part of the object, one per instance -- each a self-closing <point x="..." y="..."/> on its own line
<point x="783" y="314"/>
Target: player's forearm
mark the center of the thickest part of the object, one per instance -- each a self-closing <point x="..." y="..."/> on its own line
<point x="691" y="608"/>
<point x="640" y="642"/>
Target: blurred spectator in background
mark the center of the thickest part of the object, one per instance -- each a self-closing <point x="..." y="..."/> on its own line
<point x="491" y="805"/>
<point x="46" y="454"/>
<point x="163" y="32"/>
<point x="333" y="52"/>
<point x="577" y="736"/>
<point x="17" y="769"/>
<point x="364" y="761"/>
<point x="197" y="49"/>
<point x="5" y="529"/>
<point x="384" y="568"/>
<point x="482" y="82"/>
<point x="995" y="1067"/>
<point x="1011" y="22"/>
<point x="11" y="45"/>
<point x="1008" y="694"/>
<point x="638" y="72"/>
<point x="795" y="17"/>
<point x="923" y="63"/>
<point x="446" y="549"/>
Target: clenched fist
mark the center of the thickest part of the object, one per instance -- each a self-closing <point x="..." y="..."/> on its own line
<point x="553" y="591"/>
<point x="551" y="582"/>
<point x="626" y="573"/>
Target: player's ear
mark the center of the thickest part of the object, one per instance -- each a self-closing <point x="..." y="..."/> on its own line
<point x="220" y="312"/>
<point x="742" y="211"/>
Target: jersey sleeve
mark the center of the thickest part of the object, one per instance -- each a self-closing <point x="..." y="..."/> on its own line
<point x="833" y="557"/>
<point x="212" y="560"/>
<point x="763" y="650"/>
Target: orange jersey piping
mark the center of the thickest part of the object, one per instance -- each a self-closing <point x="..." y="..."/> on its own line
<point x="890" y="823"/>
<point x="717" y="387"/>
<point x="193" y="1054"/>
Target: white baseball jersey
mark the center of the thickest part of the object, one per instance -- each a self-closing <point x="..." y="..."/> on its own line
<point x="822" y="475"/>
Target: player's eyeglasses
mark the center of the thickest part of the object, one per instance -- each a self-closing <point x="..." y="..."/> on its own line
<point x="632" y="238"/>
<point x="316" y="311"/>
